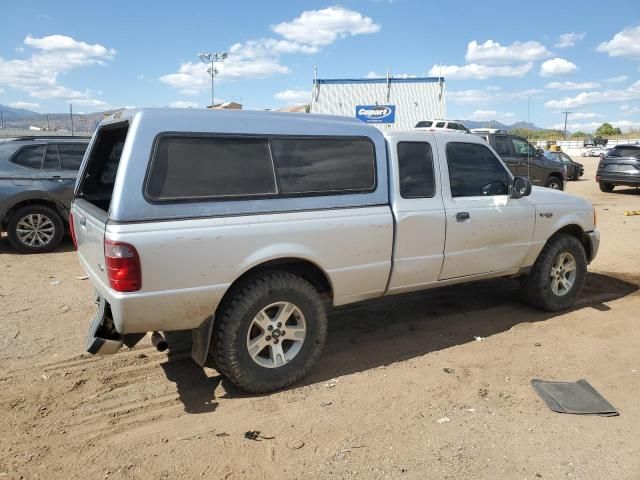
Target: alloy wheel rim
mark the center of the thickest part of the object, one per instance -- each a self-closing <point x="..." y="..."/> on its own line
<point x="276" y="334"/>
<point x="563" y="274"/>
<point x="35" y="230"/>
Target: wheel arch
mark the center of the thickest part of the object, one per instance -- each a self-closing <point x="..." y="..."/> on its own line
<point x="576" y="231"/>
<point x="298" y="266"/>
<point x="45" y="202"/>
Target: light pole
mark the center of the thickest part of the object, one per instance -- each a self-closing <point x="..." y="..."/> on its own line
<point x="211" y="58"/>
<point x="566" y="115"/>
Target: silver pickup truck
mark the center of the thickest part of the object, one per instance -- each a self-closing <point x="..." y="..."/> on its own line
<point x="245" y="227"/>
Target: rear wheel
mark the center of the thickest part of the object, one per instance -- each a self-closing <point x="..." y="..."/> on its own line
<point x="558" y="275"/>
<point x="35" y="229"/>
<point x="554" y="183"/>
<point x="269" y="333"/>
<point x="606" y="187"/>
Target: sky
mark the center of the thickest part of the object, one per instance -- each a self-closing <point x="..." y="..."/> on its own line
<point x="500" y="61"/>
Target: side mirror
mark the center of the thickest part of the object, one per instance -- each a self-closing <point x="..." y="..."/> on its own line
<point x="521" y="187"/>
<point x="539" y="152"/>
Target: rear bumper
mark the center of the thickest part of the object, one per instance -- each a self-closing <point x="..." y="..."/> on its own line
<point x="167" y="310"/>
<point x="618" y="178"/>
<point x="594" y="244"/>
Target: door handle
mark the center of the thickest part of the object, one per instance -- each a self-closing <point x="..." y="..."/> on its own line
<point x="56" y="178"/>
<point x="462" y="216"/>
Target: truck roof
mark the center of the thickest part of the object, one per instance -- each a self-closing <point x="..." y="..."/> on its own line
<point x="200" y="119"/>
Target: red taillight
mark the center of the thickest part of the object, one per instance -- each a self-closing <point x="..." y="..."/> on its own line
<point x="73" y="232"/>
<point x="123" y="266"/>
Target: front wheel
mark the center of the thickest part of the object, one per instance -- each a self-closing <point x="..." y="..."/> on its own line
<point x="554" y="183"/>
<point x="270" y="332"/>
<point x="606" y="187"/>
<point x="557" y="277"/>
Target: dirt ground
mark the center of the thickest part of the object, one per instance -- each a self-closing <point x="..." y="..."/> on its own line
<point x="377" y="405"/>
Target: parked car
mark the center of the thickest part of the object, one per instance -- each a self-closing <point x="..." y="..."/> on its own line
<point x="595" y="152"/>
<point x="595" y="141"/>
<point x="524" y="160"/>
<point x="37" y="176"/>
<point x="574" y="169"/>
<point x="433" y="125"/>
<point x="246" y="226"/>
<point x="621" y="166"/>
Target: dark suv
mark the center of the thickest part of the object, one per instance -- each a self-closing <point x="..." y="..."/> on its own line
<point x="621" y="166"/>
<point x="526" y="161"/>
<point x="37" y="177"/>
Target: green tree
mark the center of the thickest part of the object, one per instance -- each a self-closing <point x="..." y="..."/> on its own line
<point x="578" y="134"/>
<point x="606" y="129"/>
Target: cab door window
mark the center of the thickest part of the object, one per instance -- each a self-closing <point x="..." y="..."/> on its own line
<point x="521" y="148"/>
<point x="502" y="145"/>
<point x="475" y="171"/>
<point x="51" y="158"/>
<point x="71" y="155"/>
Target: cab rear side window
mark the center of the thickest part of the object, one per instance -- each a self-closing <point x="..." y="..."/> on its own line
<point x="415" y="168"/>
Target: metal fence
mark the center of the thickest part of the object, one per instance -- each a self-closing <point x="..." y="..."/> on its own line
<point x="27" y="132"/>
<point x="576" y="144"/>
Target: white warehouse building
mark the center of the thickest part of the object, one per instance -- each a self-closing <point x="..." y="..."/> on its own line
<point x="387" y="103"/>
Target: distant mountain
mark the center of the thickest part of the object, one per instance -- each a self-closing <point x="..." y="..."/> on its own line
<point x="82" y="123"/>
<point x="496" y="124"/>
<point x="9" y="113"/>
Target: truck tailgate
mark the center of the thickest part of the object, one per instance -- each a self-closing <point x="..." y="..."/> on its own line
<point x="89" y="223"/>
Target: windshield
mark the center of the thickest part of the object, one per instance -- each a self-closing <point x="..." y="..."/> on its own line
<point x="625" y="152"/>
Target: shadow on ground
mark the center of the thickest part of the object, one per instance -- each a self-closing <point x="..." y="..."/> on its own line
<point x="397" y="328"/>
<point x="6" y="247"/>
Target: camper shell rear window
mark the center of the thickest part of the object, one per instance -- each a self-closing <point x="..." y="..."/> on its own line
<point x="99" y="174"/>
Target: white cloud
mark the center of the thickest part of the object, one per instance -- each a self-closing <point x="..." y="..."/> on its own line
<point x="569" y="39"/>
<point x="470" y="97"/>
<point x="183" y="104"/>
<point x="480" y="72"/>
<point x="629" y="110"/>
<point x="492" y="53"/>
<point x="597" y="97"/>
<point x="294" y="97"/>
<point x="488" y="96"/>
<point x="53" y="55"/>
<point x="572" y="85"/>
<point x="585" y="115"/>
<point x="320" y="28"/>
<point x="623" y="44"/>
<point x="306" y="34"/>
<point x="557" y="66"/>
<point x="393" y="75"/>
<point x="25" y="105"/>
<point x="521" y="95"/>
<point x="618" y="79"/>
<point x="490" y="115"/>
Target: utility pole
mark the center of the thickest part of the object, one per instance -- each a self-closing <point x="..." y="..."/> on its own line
<point x="48" y="127"/>
<point x="1" y="120"/>
<point x="71" y="115"/>
<point x="566" y="115"/>
<point x="211" y="58"/>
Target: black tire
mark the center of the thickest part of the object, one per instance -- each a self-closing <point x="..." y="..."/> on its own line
<point x="606" y="187"/>
<point x="555" y="183"/>
<point x="233" y="321"/>
<point x="536" y="286"/>
<point x="47" y="213"/>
